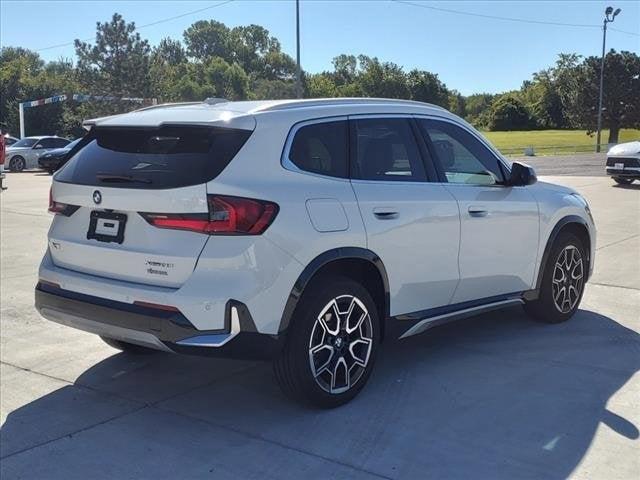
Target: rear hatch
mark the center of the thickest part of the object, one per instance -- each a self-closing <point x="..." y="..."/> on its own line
<point x="117" y="180"/>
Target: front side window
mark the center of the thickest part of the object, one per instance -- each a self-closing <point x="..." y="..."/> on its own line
<point x="462" y="157"/>
<point x="386" y="149"/>
<point x="321" y="148"/>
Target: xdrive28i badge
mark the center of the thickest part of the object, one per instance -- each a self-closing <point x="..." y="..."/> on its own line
<point x="97" y="197"/>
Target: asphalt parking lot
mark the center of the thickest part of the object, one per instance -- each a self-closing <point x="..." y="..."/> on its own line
<point x="496" y="396"/>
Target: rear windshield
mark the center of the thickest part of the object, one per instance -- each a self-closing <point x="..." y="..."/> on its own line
<point x="158" y="158"/>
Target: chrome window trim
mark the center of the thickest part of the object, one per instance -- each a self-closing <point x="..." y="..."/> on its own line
<point x="286" y="162"/>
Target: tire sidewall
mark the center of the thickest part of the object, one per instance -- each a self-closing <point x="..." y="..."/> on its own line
<point x="316" y="297"/>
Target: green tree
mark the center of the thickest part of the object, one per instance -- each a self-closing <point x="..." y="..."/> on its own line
<point x="427" y="87"/>
<point x="118" y="62"/>
<point x="321" y="85"/>
<point x="508" y="112"/>
<point x="457" y="103"/>
<point x="208" y="38"/>
<point x="542" y="99"/>
<point x="381" y="79"/>
<point x="478" y="109"/>
<point x="621" y="97"/>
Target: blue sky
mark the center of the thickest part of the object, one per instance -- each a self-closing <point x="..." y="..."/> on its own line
<point x="470" y="54"/>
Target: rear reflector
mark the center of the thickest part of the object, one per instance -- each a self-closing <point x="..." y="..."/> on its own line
<point x="157" y="306"/>
<point x="227" y="216"/>
<point x="48" y="283"/>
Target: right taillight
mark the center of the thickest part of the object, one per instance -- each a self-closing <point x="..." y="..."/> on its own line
<point x="227" y="216"/>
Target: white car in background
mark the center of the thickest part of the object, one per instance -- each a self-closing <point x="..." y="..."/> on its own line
<point x="623" y="162"/>
<point x="302" y="231"/>
<point x="24" y="153"/>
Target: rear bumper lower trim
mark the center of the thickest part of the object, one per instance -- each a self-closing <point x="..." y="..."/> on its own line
<point x="154" y="328"/>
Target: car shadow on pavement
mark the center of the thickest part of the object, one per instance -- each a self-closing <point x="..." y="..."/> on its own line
<point x="495" y="396"/>
<point x="633" y="186"/>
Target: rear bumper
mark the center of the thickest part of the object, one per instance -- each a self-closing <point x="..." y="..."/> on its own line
<point x="633" y="172"/>
<point x="155" y="328"/>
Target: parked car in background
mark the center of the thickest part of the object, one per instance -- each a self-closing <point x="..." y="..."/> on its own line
<point x="623" y="162"/>
<point x="56" y="158"/>
<point x="303" y="231"/>
<point x="25" y="152"/>
<point x="9" y="140"/>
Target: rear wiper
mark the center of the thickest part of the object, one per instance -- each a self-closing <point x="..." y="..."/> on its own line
<point x="110" y="178"/>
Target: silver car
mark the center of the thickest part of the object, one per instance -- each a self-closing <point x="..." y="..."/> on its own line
<point x="25" y="152"/>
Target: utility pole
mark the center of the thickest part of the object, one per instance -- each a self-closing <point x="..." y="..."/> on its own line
<point x="609" y="16"/>
<point x="298" y="79"/>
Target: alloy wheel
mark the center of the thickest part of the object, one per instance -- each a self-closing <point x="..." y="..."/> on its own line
<point x="568" y="274"/>
<point x="341" y="343"/>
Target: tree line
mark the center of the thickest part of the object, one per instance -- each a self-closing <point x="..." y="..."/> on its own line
<point x="247" y="62"/>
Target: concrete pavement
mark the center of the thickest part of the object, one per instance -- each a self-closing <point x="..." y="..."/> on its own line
<point x="496" y="396"/>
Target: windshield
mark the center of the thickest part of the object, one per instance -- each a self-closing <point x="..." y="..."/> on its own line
<point x="25" y="142"/>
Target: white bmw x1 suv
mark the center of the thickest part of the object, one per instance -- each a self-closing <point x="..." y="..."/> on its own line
<point x="302" y="231"/>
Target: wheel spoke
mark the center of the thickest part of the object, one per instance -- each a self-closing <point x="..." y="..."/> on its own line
<point x="330" y="316"/>
<point x="340" y="369"/>
<point x="364" y="345"/>
<point x="317" y="371"/>
<point x="356" y="310"/>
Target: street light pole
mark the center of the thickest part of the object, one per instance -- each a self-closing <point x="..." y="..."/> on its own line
<point x="609" y="16"/>
<point x="298" y="79"/>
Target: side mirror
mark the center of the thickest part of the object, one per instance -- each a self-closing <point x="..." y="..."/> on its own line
<point x="522" y="175"/>
<point x="38" y="146"/>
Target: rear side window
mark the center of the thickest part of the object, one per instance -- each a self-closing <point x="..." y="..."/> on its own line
<point x="386" y="149"/>
<point x="321" y="148"/>
<point x="158" y="158"/>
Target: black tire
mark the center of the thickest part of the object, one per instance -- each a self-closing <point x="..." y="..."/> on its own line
<point x="128" y="347"/>
<point x="293" y="368"/>
<point x="17" y="164"/>
<point x="622" y="180"/>
<point x="545" y="308"/>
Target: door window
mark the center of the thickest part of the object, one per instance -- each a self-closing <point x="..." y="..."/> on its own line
<point x="321" y="148"/>
<point x="386" y="149"/>
<point x="46" y="143"/>
<point x="462" y="157"/>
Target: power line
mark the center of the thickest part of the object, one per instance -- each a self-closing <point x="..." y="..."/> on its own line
<point x="508" y="19"/>
<point x="157" y="22"/>
<point x="624" y="31"/>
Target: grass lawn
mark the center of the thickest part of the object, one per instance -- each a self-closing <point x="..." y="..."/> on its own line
<point x="551" y="142"/>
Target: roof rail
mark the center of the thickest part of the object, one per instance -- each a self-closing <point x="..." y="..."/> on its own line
<point x="319" y="102"/>
<point x="215" y="100"/>
<point x="165" y="105"/>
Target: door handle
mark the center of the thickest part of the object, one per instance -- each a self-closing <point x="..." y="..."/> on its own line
<point x="384" y="213"/>
<point x="477" y="211"/>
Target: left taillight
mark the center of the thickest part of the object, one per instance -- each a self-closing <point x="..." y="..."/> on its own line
<point x="227" y="216"/>
<point x="58" y="208"/>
